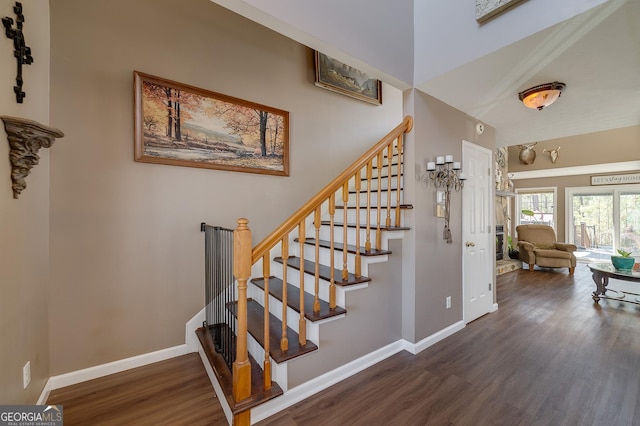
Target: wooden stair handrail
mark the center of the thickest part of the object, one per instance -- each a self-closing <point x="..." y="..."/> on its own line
<point x="288" y="225"/>
<point x="245" y="257"/>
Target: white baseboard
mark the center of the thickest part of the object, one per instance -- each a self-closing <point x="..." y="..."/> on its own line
<point x="74" y="377"/>
<point x="313" y="386"/>
<point x="416" y="348"/>
<point x="102" y="370"/>
<point x="495" y="307"/>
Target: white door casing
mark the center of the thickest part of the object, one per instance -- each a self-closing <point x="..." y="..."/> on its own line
<point x="477" y="232"/>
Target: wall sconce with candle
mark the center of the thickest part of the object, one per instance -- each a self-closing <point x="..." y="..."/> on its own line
<point x="447" y="174"/>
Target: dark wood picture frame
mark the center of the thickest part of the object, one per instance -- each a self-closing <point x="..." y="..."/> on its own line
<point x="336" y="76"/>
<point x="182" y="125"/>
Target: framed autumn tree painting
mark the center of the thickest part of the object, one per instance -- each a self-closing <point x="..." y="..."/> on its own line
<point x="181" y="125"/>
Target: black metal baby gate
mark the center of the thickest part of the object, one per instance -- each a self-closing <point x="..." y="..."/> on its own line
<point x="220" y="290"/>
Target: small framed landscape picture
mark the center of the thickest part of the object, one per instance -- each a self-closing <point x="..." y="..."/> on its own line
<point x="339" y="77"/>
<point x="181" y="125"/>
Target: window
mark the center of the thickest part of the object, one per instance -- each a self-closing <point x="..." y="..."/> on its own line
<point x="536" y="205"/>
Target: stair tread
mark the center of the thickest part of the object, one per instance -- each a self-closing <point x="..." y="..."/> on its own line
<point x="293" y="300"/>
<point x="382" y="228"/>
<point x="351" y="248"/>
<point x="222" y="372"/>
<point x="402" y="207"/>
<point x="324" y="271"/>
<point x="255" y="326"/>
<point x="375" y="191"/>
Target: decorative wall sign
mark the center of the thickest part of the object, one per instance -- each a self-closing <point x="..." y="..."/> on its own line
<point x="487" y="9"/>
<point x="183" y="125"/>
<point x="339" y="77"/>
<point x="21" y="51"/>
<point x="615" y="179"/>
<point x="26" y="137"/>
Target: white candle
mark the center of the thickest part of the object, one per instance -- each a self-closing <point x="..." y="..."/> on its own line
<point x="448" y="158"/>
<point x="456" y="165"/>
<point x="462" y="176"/>
<point x="431" y="165"/>
<point x="439" y="160"/>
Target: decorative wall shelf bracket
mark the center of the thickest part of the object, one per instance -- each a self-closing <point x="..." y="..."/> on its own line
<point x="21" y="51"/>
<point x="26" y="137"/>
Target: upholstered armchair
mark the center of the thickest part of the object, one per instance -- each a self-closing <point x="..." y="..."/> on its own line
<point x="538" y="246"/>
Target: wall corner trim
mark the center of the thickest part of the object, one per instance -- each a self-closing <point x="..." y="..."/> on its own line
<point x="25" y="138"/>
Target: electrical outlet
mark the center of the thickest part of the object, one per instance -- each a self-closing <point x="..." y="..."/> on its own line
<point x="26" y="374"/>
<point x="448" y="302"/>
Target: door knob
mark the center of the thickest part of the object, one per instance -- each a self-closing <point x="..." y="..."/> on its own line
<point x="470" y="244"/>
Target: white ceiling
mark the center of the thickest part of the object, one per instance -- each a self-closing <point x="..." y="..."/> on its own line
<point x="445" y="53"/>
<point x="596" y="54"/>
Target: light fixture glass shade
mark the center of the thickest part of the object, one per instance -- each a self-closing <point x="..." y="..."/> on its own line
<point x="541" y="96"/>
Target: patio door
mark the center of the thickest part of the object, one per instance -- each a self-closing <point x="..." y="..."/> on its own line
<point x="601" y="220"/>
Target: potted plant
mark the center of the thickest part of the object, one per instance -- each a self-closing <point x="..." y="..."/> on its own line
<point x="624" y="262"/>
<point x="513" y="252"/>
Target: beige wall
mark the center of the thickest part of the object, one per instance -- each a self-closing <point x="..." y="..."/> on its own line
<point x="609" y="146"/>
<point x="612" y="146"/>
<point x="126" y="250"/>
<point x="439" y="129"/>
<point x="24" y="223"/>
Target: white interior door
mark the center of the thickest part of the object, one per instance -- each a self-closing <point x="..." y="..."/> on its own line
<point x="477" y="232"/>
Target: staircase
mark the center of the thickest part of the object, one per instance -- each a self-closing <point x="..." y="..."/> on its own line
<point x="296" y="279"/>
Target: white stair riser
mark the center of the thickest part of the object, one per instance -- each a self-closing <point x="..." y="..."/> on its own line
<point x="383" y="179"/>
<point x="373" y="216"/>
<point x="293" y="278"/>
<point x="275" y="307"/>
<point x="384" y="183"/>
<point x="325" y="257"/>
<point x="325" y="234"/>
<point x="384" y="196"/>
<point x="279" y="372"/>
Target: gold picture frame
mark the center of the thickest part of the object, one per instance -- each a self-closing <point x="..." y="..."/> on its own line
<point x="339" y="77"/>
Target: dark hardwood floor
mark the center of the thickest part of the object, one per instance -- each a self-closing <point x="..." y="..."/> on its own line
<point x="548" y="356"/>
<point x="172" y="392"/>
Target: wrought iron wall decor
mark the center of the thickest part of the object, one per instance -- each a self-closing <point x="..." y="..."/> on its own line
<point x="21" y="51"/>
<point x="447" y="174"/>
<point x="26" y="137"/>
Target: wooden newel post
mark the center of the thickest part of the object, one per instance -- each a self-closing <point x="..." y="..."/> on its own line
<point x="242" y="272"/>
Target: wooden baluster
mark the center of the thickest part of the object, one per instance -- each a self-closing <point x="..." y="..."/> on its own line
<point x="345" y="203"/>
<point x="367" y="244"/>
<point x="389" y="177"/>
<point x="266" y="272"/>
<point x="317" y="222"/>
<point x="358" y="265"/>
<point x="242" y="272"/>
<point x="378" y="210"/>
<point x="332" y="281"/>
<point x="284" y="341"/>
<point x="302" y="322"/>
<point x="398" y="180"/>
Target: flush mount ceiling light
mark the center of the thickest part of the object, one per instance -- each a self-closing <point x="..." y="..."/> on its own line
<point x="541" y="96"/>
